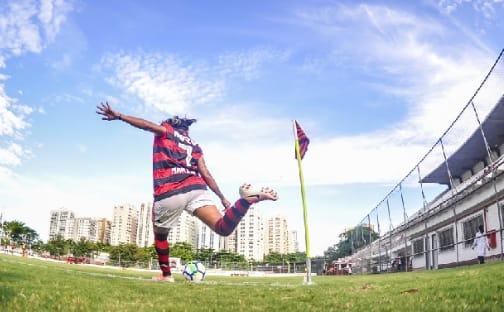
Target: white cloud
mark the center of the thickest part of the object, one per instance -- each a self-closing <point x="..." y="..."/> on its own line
<point x="487" y="8"/>
<point x="247" y="64"/>
<point x="13" y="124"/>
<point x="52" y="14"/>
<point x="19" y="33"/>
<point x="11" y="155"/>
<point x="27" y="26"/>
<point x="163" y="82"/>
<point x="12" y="116"/>
<point x="433" y="77"/>
<point x="169" y="84"/>
<point x="433" y="80"/>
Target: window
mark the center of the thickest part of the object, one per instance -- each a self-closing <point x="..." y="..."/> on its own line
<point x="446" y="239"/>
<point x="470" y="228"/>
<point x="418" y="247"/>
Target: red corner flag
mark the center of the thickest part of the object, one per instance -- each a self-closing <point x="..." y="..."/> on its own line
<point x="303" y="140"/>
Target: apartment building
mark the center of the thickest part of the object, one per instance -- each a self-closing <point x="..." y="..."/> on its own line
<point x="58" y="222"/>
<point x="292" y="242"/>
<point x="124" y="225"/>
<point x="276" y="235"/>
<point x="186" y="230"/>
<point x="103" y="230"/>
<point x="145" y="236"/>
<point x="250" y="235"/>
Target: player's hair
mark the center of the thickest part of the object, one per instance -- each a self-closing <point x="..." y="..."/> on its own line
<point x="180" y="123"/>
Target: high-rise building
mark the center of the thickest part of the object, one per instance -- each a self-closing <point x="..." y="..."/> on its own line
<point x="228" y="243"/>
<point x="208" y="239"/>
<point x="85" y="228"/>
<point x="293" y="242"/>
<point x="58" y="223"/>
<point x="250" y="236"/>
<point x="186" y="230"/>
<point x="124" y="225"/>
<point x="103" y="231"/>
<point x="69" y="229"/>
<point x="145" y="236"/>
<point x="276" y="232"/>
<point x="82" y="228"/>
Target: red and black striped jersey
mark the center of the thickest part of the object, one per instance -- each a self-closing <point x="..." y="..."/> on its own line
<point x="175" y="164"/>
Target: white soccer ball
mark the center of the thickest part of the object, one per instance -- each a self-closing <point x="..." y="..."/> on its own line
<point x="194" y="271"/>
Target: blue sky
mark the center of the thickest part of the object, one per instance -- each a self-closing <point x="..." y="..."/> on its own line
<point x="373" y="83"/>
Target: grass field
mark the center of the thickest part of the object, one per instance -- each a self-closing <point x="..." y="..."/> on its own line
<point x="34" y="285"/>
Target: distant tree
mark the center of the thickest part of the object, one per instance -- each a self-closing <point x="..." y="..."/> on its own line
<point x="230" y="260"/>
<point x="332" y="253"/>
<point x="124" y="254"/>
<point x="37" y="246"/>
<point x="56" y="246"/>
<point x="151" y="250"/>
<point x="4" y="241"/>
<point x="205" y="254"/>
<point x="127" y="255"/>
<point x="81" y="248"/>
<point x="274" y="258"/>
<point x="361" y="236"/>
<point x="278" y="258"/>
<point x="144" y="254"/>
<point x="351" y="240"/>
<point x="18" y="232"/>
<point x="182" y="250"/>
<point x="101" y="247"/>
<point x="296" y="257"/>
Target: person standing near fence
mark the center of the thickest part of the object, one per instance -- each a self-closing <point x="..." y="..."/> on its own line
<point x="481" y="244"/>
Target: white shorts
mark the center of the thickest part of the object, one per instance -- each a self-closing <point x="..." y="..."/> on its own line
<point x="166" y="212"/>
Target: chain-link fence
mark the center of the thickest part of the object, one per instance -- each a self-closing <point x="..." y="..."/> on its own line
<point x="428" y="220"/>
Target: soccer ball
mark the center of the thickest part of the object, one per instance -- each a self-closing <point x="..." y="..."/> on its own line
<point x="194" y="271"/>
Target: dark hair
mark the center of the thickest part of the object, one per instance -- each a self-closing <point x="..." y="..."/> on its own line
<point x="180" y="123"/>
<point x="481" y="228"/>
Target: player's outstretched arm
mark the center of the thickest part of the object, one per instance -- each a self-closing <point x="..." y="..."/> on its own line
<point x="210" y="181"/>
<point x="109" y="114"/>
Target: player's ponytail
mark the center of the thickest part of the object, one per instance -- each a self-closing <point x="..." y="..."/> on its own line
<point x="180" y="123"/>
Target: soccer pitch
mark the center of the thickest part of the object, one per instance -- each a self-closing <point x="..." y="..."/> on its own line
<point x="35" y="285"/>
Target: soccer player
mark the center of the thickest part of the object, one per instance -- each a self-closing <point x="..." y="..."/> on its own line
<point x="181" y="182"/>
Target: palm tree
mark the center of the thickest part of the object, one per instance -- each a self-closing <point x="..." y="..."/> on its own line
<point x="18" y="232"/>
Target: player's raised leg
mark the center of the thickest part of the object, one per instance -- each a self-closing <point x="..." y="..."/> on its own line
<point x="224" y="225"/>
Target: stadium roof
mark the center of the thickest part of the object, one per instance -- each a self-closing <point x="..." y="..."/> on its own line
<point x="473" y="150"/>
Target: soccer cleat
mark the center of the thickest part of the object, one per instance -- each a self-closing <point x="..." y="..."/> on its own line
<point x="161" y="278"/>
<point x="255" y="195"/>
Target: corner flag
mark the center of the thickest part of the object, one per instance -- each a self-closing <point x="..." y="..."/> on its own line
<point x="303" y="140"/>
<point x="301" y="144"/>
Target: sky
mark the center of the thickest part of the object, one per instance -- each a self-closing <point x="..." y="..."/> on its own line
<point x="373" y="84"/>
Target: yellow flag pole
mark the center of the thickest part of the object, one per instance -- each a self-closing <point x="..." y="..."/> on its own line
<point x="305" y="213"/>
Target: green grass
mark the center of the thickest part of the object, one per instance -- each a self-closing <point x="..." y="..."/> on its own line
<point x="34" y="285"/>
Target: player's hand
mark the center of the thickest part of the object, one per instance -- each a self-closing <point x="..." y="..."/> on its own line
<point x="225" y="203"/>
<point x="105" y="110"/>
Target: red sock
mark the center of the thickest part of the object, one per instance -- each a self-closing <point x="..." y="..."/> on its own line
<point x="232" y="216"/>
<point x="163" y="253"/>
